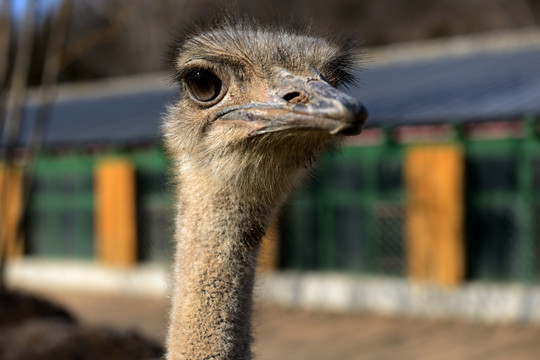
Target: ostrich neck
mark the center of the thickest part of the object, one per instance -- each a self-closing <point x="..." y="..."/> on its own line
<point x="218" y="236"/>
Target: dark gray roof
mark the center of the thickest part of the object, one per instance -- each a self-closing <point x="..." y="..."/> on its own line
<point x="472" y="88"/>
<point x="469" y="88"/>
<point x="120" y="118"/>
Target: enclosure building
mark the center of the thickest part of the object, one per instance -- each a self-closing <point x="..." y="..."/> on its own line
<point x="443" y="184"/>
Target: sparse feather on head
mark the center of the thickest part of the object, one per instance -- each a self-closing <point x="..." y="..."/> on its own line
<point x="286" y="40"/>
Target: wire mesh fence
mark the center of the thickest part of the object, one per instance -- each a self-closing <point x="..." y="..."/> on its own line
<point x="356" y="218"/>
<point x="353" y="217"/>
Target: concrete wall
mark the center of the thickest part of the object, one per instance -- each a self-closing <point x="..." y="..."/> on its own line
<point x="490" y="303"/>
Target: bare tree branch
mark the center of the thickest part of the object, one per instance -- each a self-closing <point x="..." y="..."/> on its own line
<point x="51" y="69"/>
<point x="78" y="47"/>
<point x="19" y="78"/>
<point x="5" y="11"/>
<point x="14" y="108"/>
<point x="47" y="94"/>
<point x="5" y="25"/>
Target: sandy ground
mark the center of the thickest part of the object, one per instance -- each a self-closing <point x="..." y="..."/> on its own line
<point x="294" y="334"/>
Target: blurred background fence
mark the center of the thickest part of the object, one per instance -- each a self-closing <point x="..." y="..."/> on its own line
<point x="61" y="214"/>
<point x="353" y="218"/>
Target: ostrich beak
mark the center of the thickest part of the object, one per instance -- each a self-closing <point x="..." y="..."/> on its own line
<point x="304" y="104"/>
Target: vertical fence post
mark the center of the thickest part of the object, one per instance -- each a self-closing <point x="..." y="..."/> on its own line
<point x="525" y="201"/>
<point x="11" y="180"/>
<point x="116" y="242"/>
<point x="269" y="253"/>
<point x="325" y="238"/>
<point x="434" y="216"/>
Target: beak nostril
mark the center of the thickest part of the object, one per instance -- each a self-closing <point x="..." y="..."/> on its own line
<point x="295" y="97"/>
<point x="290" y="96"/>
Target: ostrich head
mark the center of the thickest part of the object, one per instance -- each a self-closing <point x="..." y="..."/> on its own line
<point x="258" y="103"/>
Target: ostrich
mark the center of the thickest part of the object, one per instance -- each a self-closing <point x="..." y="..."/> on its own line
<point x="257" y="104"/>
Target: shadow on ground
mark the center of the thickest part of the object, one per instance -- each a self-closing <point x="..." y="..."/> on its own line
<point x="32" y="328"/>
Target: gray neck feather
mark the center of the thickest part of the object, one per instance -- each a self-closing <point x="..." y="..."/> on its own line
<point x="218" y="237"/>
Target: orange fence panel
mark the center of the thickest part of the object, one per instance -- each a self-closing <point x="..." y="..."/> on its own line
<point x="11" y="201"/>
<point x="434" y="179"/>
<point x="115" y="213"/>
<point x="269" y="253"/>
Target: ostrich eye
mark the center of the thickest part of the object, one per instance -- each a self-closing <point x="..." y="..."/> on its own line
<point x="203" y="85"/>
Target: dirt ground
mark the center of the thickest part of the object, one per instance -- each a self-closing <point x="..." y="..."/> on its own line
<point x="297" y="335"/>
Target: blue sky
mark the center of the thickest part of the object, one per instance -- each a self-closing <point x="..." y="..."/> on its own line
<point x="19" y="6"/>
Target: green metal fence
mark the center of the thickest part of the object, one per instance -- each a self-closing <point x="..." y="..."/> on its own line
<point x="349" y="217"/>
<point x="154" y="206"/>
<point x="502" y="213"/>
<point x="61" y="209"/>
<point x="60" y="218"/>
<point x="352" y="218"/>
